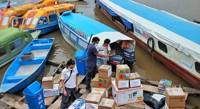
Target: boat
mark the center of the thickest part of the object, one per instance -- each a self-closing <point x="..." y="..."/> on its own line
<point x="172" y="40"/>
<point x="44" y="19"/>
<point x="12" y="41"/>
<point x="8" y="14"/>
<point x="27" y="66"/>
<point x="78" y="30"/>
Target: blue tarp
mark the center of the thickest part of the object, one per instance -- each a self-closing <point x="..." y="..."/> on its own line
<point x="179" y="26"/>
<point x="85" y="24"/>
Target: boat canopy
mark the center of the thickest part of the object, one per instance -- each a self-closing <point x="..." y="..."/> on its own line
<point x="83" y="24"/>
<point x="113" y="36"/>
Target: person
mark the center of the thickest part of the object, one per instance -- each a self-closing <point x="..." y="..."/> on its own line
<point x="92" y="62"/>
<point x="104" y="49"/>
<point x="8" y="5"/>
<point x="128" y="54"/>
<point x="69" y="84"/>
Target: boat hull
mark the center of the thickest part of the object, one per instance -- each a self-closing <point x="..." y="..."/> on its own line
<point x="178" y="70"/>
<point x="47" y="29"/>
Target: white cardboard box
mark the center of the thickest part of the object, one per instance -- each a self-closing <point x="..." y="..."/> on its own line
<point x="126" y="96"/>
<point x="52" y="92"/>
<point x="122" y="84"/>
<point x="77" y="104"/>
<point x="135" y="83"/>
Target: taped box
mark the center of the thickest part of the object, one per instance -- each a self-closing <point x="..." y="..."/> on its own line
<point x="133" y="76"/>
<point x="52" y="92"/>
<point x="47" y="82"/>
<point x="126" y="96"/>
<point x="93" y="98"/>
<point x="135" y="83"/>
<point x="105" y="71"/>
<point x="122" y="72"/>
<point x="175" y="97"/>
<point x="95" y="81"/>
<point x="122" y="84"/>
<point x="101" y="91"/>
<point x="107" y="104"/>
<point x="104" y="82"/>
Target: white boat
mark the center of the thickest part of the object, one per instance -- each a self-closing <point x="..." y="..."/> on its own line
<point x="172" y="40"/>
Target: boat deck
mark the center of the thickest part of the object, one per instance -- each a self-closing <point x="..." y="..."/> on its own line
<point x="27" y="69"/>
<point x="40" y="53"/>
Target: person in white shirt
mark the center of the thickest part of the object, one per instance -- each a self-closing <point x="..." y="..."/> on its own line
<point x="69" y="84"/>
<point x="105" y="50"/>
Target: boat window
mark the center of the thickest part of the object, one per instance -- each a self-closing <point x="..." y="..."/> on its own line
<point x="43" y="20"/>
<point x="197" y="67"/>
<point x="28" y="21"/>
<point x="162" y="46"/>
<point x="2" y="52"/>
<point x="5" y="21"/>
<point x="52" y="17"/>
<point x="35" y="21"/>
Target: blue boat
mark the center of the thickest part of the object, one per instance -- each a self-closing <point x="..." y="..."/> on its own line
<point x="27" y="66"/>
<point x="77" y="30"/>
<point x="173" y="40"/>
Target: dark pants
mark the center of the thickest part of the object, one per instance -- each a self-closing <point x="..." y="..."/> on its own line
<point x="91" y="72"/>
<point x="67" y="100"/>
<point x="130" y="64"/>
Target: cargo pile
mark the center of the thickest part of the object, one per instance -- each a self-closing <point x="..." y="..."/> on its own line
<point x="50" y="89"/>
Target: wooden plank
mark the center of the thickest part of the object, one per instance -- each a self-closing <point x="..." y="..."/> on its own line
<point x="191" y="91"/>
<point x="12" y="101"/>
<point x="56" y="104"/>
<point x="49" y="100"/>
<point x="150" y="88"/>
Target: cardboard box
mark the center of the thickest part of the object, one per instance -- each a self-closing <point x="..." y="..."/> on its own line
<point x="135" y="83"/>
<point x="122" y="84"/>
<point x="175" y="97"/>
<point x="150" y="88"/>
<point x="122" y="72"/>
<point x="101" y="91"/>
<point x="93" y="98"/>
<point x="95" y="81"/>
<point x="107" y="104"/>
<point x="133" y="76"/>
<point x="52" y="92"/>
<point x="126" y="96"/>
<point x="105" y="71"/>
<point x="91" y="106"/>
<point x="104" y="83"/>
<point x="47" y="82"/>
<point x="109" y="92"/>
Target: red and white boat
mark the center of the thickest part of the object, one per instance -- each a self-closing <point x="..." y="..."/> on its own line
<point x="172" y="40"/>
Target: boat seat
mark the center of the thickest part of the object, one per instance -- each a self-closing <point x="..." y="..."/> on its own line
<point x="16" y="78"/>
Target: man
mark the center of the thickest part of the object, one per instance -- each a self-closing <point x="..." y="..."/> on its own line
<point x="69" y="84"/>
<point x="105" y="50"/>
<point x="92" y="61"/>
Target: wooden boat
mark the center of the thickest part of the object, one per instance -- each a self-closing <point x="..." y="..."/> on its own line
<point x="77" y="30"/>
<point x="28" y="65"/>
<point x="8" y="14"/>
<point x="44" y="19"/>
<point x="12" y="41"/>
<point x="172" y="40"/>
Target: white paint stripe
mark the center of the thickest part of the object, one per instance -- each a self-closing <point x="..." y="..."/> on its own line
<point x="155" y="28"/>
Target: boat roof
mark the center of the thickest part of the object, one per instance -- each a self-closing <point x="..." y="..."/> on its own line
<point x="84" y="24"/>
<point x="180" y="26"/>
<point x="9" y="34"/>
<point x="48" y="10"/>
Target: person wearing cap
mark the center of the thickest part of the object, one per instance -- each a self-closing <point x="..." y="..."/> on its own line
<point x="92" y="62"/>
<point x="69" y="83"/>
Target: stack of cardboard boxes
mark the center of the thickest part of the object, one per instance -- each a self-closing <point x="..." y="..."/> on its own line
<point x="126" y="88"/>
<point x="96" y="100"/>
<point x="50" y="89"/>
<point x="175" y="98"/>
<point x="103" y="79"/>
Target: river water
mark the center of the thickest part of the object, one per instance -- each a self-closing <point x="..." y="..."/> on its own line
<point x="148" y="67"/>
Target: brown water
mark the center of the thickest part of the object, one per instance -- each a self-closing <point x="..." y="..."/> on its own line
<point x="146" y="65"/>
